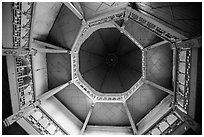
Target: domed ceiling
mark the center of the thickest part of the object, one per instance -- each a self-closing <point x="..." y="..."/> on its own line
<point x="103" y="61"/>
<point x="117" y="66"/>
<point x="109" y="63"/>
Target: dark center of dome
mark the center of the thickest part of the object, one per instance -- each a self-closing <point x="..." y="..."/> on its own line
<point x="109" y="61"/>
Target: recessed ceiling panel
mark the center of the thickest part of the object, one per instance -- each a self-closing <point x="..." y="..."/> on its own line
<point x="58" y="69"/>
<point x="75" y="101"/>
<point x="159" y="66"/>
<point x="144" y="100"/>
<point x="109" y="114"/>
<point x="65" y="28"/>
<point x="141" y="34"/>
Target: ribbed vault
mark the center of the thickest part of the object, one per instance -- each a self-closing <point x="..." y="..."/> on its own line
<point x="109" y="61"/>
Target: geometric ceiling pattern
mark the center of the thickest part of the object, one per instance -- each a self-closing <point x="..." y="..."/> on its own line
<point x="102" y="72"/>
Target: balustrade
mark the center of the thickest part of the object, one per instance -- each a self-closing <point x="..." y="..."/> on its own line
<point x="166" y="125"/>
<point x="183" y="77"/>
<point x="43" y="124"/>
<point x="22" y="18"/>
<point x="24" y="80"/>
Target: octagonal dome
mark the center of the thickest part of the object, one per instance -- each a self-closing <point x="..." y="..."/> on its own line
<point x="109" y="61"/>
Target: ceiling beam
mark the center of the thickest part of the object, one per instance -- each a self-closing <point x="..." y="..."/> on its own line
<point x="41" y="43"/>
<point x="135" y="132"/>
<point x="87" y="118"/>
<point x="74" y="10"/>
<point x="159" y="87"/>
<point x="51" y="92"/>
<point x="122" y="30"/>
<point x="51" y="48"/>
<point x="174" y="73"/>
<point x="44" y="50"/>
<point x="24" y="110"/>
<point x="78" y="7"/>
<point x="156" y="45"/>
<point x="127" y="13"/>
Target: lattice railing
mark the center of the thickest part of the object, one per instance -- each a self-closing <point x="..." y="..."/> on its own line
<point x="22" y="18"/>
<point x="24" y="77"/>
<point x="183" y="67"/>
<point x="165" y="126"/>
<point x="44" y="124"/>
<point x="114" y="17"/>
<point x="156" y="27"/>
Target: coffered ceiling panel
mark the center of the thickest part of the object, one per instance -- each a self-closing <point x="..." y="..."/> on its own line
<point x="144" y="100"/>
